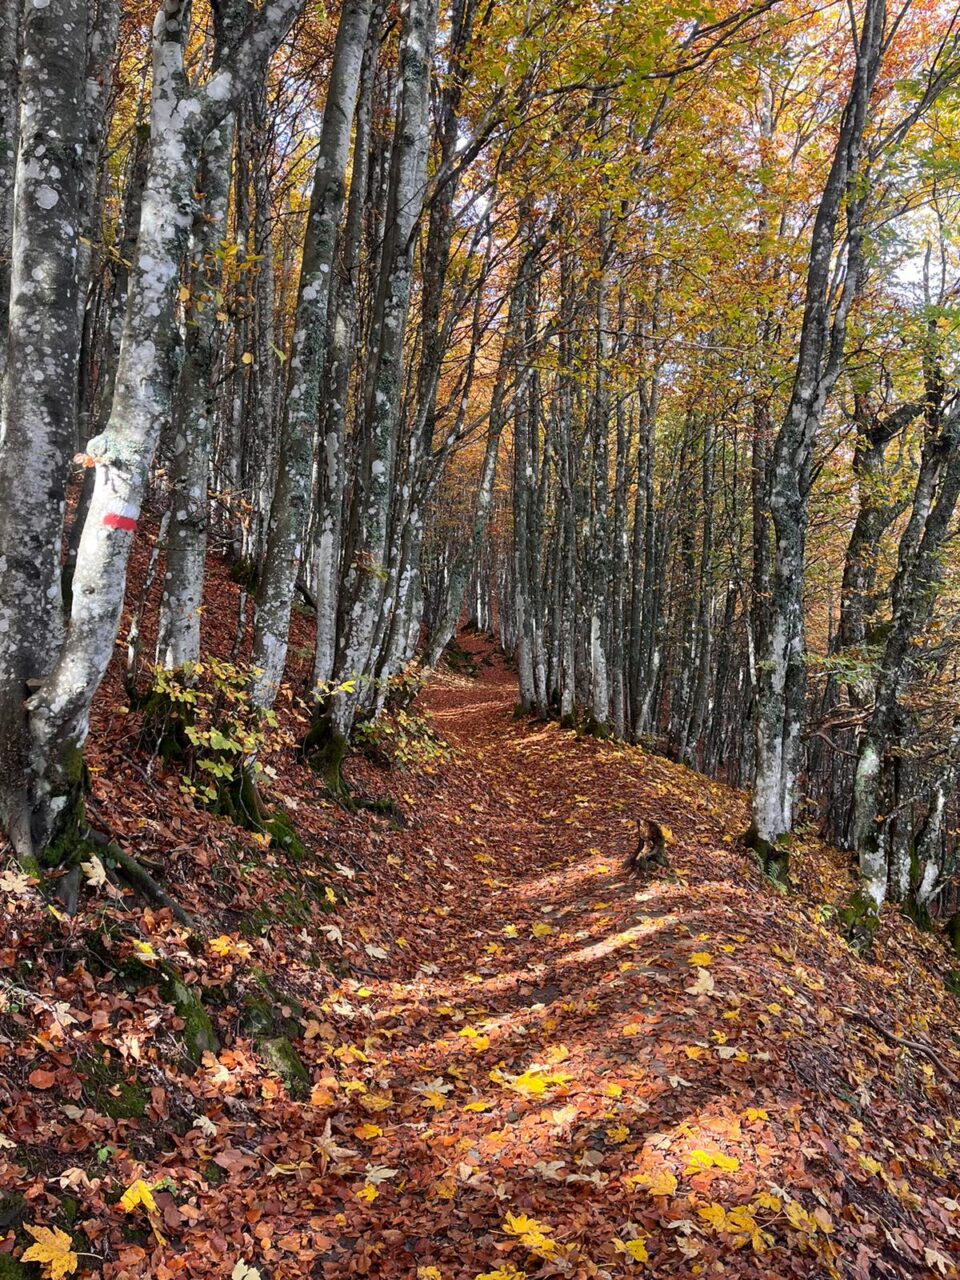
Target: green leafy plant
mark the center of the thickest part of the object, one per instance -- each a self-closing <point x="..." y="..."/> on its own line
<point x="204" y="719"/>
<point x="404" y="739"/>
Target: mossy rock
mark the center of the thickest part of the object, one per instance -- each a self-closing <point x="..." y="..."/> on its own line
<point x="212" y="1173"/>
<point x="110" y="1092"/>
<point x="594" y="728"/>
<point x="198" y="1035"/>
<point x="257" y="1016"/>
<point x="859" y="920"/>
<point x="262" y="1016"/>
<point x="281" y="1057"/>
<point x="283" y="836"/>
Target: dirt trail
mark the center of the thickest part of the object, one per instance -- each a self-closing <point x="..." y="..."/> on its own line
<point x="519" y="1062"/>
<point x="624" y="1064"/>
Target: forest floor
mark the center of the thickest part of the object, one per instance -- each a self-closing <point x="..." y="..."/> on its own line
<point x="494" y="1056"/>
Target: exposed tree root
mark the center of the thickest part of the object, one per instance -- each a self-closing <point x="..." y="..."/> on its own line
<point x="139" y="878"/>
<point x="915" y="1046"/>
<point x="325" y="751"/>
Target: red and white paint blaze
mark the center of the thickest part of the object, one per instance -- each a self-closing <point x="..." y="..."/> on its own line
<point x="125" y="518"/>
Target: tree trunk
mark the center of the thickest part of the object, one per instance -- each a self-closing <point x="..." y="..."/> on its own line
<point x="38" y="429"/>
<point x="288" y="512"/>
<point x="37" y="809"/>
<point x="780" y="674"/>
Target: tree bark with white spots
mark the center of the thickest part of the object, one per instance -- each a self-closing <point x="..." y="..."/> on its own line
<point x="288" y="514"/>
<point x="38" y="425"/>
<point x="9" y="97"/>
<point x="42" y="783"/>
<point x="364" y="586"/>
<point x="781" y="677"/>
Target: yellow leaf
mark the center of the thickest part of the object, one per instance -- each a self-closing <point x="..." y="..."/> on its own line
<point x="752" y="1114"/>
<point x="531" y="1233"/>
<point x="700" y="1160"/>
<point x="144" y="949"/>
<point x="701" y="959"/>
<point x="368" y="1131"/>
<point x="661" y="1183"/>
<point x="613" y="1090"/>
<point x="636" y="1249"/>
<point x="798" y="1217"/>
<point x="534" y="1083"/>
<point x="428" y="1273"/>
<point x="477" y="1106"/>
<point x="503" y="1273"/>
<point x="374" y="1102"/>
<point x="715" y="1215"/>
<point x="871" y="1165"/>
<point x="631" y="1029"/>
<point x="434" y="1098"/>
<point x="541" y="930"/>
<point x="510" y="931"/>
<point x="368" y="1192"/>
<point x="136" y="1194"/>
<point x="52" y="1250"/>
<point x="247" y="358"/>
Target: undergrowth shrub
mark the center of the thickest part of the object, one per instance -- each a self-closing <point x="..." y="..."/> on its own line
<point x="403" y="739"/>
<point x="202" y="718"/>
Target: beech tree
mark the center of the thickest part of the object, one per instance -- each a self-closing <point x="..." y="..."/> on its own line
<point x="625" y="335"/>
<point x="62" y="661"/>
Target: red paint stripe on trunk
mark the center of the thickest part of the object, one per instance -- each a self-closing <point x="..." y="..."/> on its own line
<point x="113" y="521"/>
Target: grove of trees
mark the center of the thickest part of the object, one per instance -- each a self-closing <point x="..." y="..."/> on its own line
<point x="626" y="332"/>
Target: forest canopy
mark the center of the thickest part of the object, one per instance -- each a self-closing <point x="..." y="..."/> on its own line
<point x="479" y="617"/>
<point x="625" y="331"/>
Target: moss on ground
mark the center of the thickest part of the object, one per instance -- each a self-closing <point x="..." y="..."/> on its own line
<point x="280" y="1056"/>
<point x="110" y="1092"/>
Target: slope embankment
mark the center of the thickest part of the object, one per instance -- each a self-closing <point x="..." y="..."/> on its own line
<point x="467" y="1044"/>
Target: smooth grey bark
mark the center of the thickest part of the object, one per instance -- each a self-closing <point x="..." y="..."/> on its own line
<point x="288" y="513"/>
<point x="38" y="423"/>
<point x="780" y="675"/>
<point x="10" y="11"/>
<point x="337" y="369"/>
<point x="191" y="431"/>
<point x="599" y="567"/>
<point x="374" y="481"/>
<point x="182" y="116"/>
<point x="466" y="561"/>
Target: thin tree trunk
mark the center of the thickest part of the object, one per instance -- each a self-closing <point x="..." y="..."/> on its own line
<point x="288" y="512"/>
